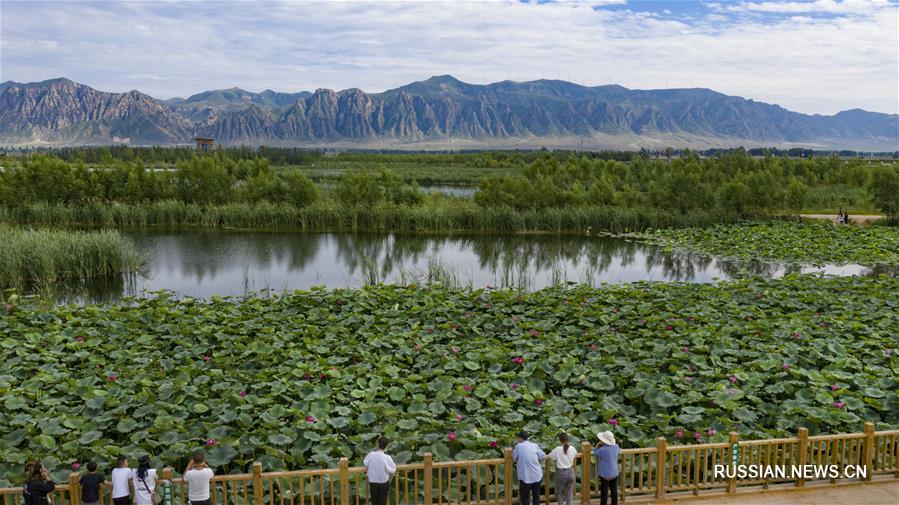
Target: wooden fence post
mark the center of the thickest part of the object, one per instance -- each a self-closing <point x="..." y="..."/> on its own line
<point x="733" y="438"/>
<point x="803" y="454"/>
<point x="429" y="478"/>
<point x="586" y="454"/>
<point x="869" y="451"/>
<point x="74" y="491"/>
<point x="507" y="463"/>
<point x="344" y="481"/>
<point x="167" y="473"/>
<point x="257" y="483"/>
<point x="661" y="456"/>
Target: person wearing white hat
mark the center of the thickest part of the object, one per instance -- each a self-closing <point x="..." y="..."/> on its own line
<point x="607" y="453"/>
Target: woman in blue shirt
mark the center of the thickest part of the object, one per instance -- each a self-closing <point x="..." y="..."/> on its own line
<point x="607" y="453"/>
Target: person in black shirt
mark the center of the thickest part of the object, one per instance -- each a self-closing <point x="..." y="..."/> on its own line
<point x="90" y="485"/>
<point x="38" y="485"/>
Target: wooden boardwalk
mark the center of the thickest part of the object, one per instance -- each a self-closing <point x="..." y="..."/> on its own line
<point x="870" y="493"/>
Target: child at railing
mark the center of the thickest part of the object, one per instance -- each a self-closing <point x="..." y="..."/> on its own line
<point x="564" y="456"/>
<point x="90" y="485"/>
<point x="607" y="452"/>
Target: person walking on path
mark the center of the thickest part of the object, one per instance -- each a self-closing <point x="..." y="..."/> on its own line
<point x="379" y="466"/>
<point x="197" y="475"/>
<point x="38" y="486"/>
<point x="121" y="476"/>
<point x="144" y="482"/>
<point x="564" y="456"/>
<point x="90" y="485"/>
<point x="607" y="453"/>
<point x="527" y="457"/>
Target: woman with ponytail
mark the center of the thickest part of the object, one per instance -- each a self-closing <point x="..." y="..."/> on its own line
<point x="144" y="481"/>
<point x="564" y="456"/>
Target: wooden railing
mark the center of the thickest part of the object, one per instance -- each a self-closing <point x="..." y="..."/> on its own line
<point x="645" y="474"/>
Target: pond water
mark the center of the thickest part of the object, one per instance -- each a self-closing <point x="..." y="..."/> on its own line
<point x="203" y="263"/>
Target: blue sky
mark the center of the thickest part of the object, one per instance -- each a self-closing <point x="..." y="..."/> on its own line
<point x="813" y="56"/>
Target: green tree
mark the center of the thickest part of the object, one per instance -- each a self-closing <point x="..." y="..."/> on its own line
<point x="884" y="188"/>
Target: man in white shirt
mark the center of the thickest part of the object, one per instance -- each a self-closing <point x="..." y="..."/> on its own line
<point x="197" y="476"/>
<point x="121" y="477"/>
<point x="379" y="466"/>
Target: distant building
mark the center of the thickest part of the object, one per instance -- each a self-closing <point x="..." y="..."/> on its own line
<point x="204" y="144"/>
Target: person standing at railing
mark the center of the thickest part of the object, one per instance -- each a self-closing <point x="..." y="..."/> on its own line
<point x="90" y="485"/>
<point x="144" y="482"/>
<point x="527" y="457"/>
<point x="121" y="476"/>
<point x="564" y="456"/>
<point x="607" y="452"/>
<point x="198" y="475"/>
<point x="379" y="466"/>
<point x="38" y="486"/>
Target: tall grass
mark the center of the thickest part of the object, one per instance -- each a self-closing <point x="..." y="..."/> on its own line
<point x="449" y="215"/>
<point x="46" y="256"/>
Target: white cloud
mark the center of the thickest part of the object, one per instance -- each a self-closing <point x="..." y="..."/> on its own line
<point x="818" y="6"/>
<point x="806" y="63"/>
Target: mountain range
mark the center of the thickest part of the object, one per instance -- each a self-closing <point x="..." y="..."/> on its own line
<point x="440" y="112"/>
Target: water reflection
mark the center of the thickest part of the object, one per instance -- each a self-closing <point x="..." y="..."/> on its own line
<point x="203" y="263"/>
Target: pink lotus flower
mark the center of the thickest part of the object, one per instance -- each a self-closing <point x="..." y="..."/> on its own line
<point x="711" y="432"/>
<point x="538" y="402"/>
<point x="80" y="338"/>
<point x="207" y="359"/>
<point x="515" y="386"/>
<point x="669" y="327"/>
<point x="592" y="347"/>
<point x="210" y="442"/>
<point x="534" y="332"/>
<point x="732" y="379"/>
<point x="429" y="330"/>
<point x="839" y="405"/>
<point x="518" y="360"/>
<point x="76" y="465"/>
<point x="322" y="376"/>
<point x="112" y="377"/>
<point x="8" y="307"/>
<point x="454" y="325"/>
<point x="466" y="387"/>
<point x="758" y="296"/>
<point x="685" y="349"/>
<point x="307" y="376"/>
<point x="416" y="347"/>
<point x="796" y="334"/>
<point x="642" y="322"/>
<point x="834" y="387"/>
<point x="688" y="380"/>
<point x="242" y="394"/>
<point x="493" y="443"/>
<point x="786" y="366"/>
<point x="822" y="324"/>
<point x="613" y="329"/>
<point x="451" y="436"/>
<point x="459" y="417"/>
<point x="310" y="419"/>
<point x="488" y="305"/>
<point x="692" y="368"/>
<point x="455" y="350"/>
<point x="615" y="310"/>
<point x="697" y="435"/>
<point x="613" y="421"/>
<point x="887" y="352"/>
<point x="679" y="433"/>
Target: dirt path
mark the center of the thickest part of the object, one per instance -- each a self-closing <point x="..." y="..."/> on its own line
<point x="853" y="218"/>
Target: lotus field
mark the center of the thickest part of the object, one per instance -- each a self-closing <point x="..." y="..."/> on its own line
<point x="300" y="380"/>
<point x="805" y="242"/>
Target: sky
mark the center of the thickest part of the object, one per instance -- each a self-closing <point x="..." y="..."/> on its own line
<point x="811" y="56"/>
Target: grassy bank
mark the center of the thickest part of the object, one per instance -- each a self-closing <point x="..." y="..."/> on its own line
<point x="804" y="242"/>
<point x="48" y="256"/>
<point x="443" y="214"/>
<point x="297" y="381"/>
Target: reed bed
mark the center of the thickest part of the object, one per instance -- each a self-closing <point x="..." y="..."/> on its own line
<point x="448" y="216"/>
<point x="46" y="256"/>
